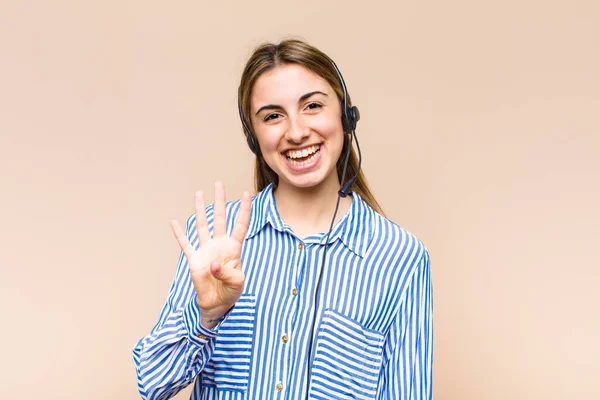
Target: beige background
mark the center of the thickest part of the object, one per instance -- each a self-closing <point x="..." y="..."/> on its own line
<point x="480" y="132"/>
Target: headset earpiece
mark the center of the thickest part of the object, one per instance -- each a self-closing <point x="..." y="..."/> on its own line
<point x="351" y="118"/>
<point x="354" y="116"/>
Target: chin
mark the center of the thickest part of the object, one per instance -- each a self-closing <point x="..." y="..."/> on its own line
<point x="303" y="182"/>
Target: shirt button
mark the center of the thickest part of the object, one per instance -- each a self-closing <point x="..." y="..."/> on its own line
<point x="284" y="339"/>
<point x="203" y="337"/>
<point x="279" y="386"/>
<point x="300" y="246"/>
<point x="294" y="291"/>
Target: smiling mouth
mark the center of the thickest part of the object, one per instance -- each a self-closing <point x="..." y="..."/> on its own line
<point x="303" y="157"/>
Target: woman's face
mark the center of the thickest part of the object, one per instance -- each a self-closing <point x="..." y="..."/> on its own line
<point x="297" y="120"/>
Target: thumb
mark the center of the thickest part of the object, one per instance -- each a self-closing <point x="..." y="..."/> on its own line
<point x="222" y="274"/>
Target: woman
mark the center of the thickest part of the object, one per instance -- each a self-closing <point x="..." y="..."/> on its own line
<point x="300" y="292"/>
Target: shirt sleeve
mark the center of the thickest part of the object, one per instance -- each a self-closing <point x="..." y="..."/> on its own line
<point x="408" y="370"/>
<point x="178" y="347"/>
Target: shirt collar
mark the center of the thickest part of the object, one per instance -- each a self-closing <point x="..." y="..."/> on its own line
<point x="355" y="229"/>
<point x="264" y="211"/>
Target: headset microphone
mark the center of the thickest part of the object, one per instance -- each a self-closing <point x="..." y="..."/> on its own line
<point x="346" y="187"/>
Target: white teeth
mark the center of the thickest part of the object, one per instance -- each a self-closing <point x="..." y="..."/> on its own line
<point x="307" y="161"/>
<point x="301" y="153"/>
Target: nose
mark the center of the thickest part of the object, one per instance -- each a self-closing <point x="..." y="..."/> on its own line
<point x="297" y="132"/>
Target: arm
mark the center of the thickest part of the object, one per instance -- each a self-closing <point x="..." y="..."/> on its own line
<point x="208" y="282"/>
<point x="408" y="365"/>
<point x="178" y="347"/>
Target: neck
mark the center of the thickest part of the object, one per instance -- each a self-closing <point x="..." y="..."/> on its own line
<point x="309" y="211"/>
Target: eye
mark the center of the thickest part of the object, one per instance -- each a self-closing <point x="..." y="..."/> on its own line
<point x="314" y="106"/>
<point x="272" y="117"/>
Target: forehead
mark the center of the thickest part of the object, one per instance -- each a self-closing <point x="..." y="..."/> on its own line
<point x="285" y="84"/>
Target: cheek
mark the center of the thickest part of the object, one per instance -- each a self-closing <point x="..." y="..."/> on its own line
<point x="329" y="127"/>
<point x="268" y="137"/>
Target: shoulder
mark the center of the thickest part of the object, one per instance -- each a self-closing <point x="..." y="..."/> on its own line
<point x="384" y="227"/>
<point x="401" y="248"/>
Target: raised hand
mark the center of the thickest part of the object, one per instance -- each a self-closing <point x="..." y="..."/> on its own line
<point x="215" y="267"/>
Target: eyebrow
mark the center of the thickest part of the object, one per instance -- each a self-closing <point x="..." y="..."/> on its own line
<point x="301" y="99"/>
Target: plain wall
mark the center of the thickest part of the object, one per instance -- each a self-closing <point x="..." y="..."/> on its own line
<point x="112" y="113"/>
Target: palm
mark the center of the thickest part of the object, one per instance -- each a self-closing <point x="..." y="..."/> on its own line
<point x="212" y="292"/>
<point x="215" y="267"/>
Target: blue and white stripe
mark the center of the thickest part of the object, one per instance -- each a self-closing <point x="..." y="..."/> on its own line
<point x="373" y="339"/>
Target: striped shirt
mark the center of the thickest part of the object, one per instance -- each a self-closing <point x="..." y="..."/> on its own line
<point x="373" y="338"/>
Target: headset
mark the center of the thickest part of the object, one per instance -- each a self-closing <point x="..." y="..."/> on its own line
<point x="350" y="117"/>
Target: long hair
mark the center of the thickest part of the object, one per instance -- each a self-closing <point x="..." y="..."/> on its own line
<point x="268" y="56"/>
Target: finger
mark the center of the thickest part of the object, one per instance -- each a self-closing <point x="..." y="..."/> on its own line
<point x="201" y="223"/>
<point x="241" y="224"/>
<point x="220" y="224"/>
<point x="182" y="239"/>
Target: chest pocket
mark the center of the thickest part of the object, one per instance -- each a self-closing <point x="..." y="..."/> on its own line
<point x="229" y="366"/>
<point x="347" y="360"/>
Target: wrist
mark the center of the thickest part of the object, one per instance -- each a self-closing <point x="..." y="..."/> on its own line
<point x="192" y="318"/>
<point x="210" y="323"/>
<point x="210" y="319"/>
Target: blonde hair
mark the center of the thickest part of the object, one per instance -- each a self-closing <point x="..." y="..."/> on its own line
<point x="292" y="51"/>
